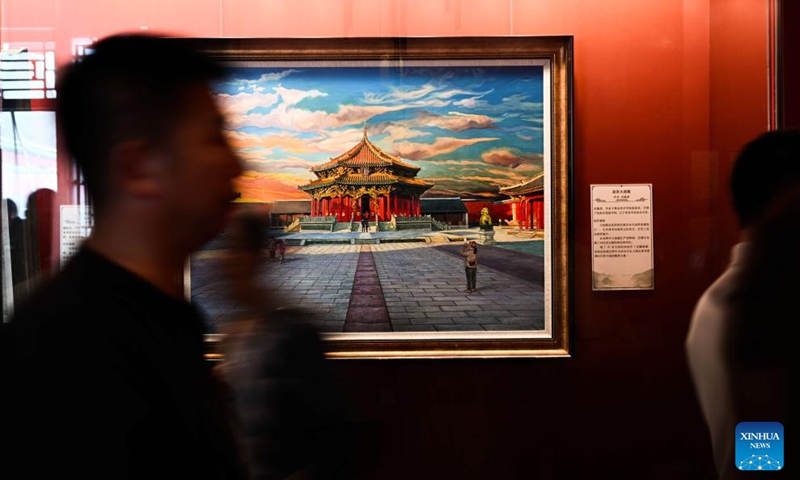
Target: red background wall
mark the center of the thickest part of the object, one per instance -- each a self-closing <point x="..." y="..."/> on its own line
<point x="665" y="92"/>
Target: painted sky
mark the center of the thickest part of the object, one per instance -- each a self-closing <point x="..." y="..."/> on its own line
<point x="470" y="129"/>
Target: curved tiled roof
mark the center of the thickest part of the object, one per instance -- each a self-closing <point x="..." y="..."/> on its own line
<point x="374" y="179"/>
<point x="534" y="185"/>
<point x="364" y="154"/>
<point x="318" y="183"/>
<point x="366" y="180"/>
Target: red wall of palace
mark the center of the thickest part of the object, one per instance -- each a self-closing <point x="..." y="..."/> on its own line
<point x="664" y="93"/>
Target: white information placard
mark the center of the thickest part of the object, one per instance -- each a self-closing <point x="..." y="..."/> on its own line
<point x="76" y="224"/>
<point x="622" y="237"/>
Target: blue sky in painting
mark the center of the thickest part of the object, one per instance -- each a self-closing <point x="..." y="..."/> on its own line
<point x="470" y="129"/>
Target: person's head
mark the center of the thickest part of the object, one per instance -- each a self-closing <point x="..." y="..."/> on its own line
<point x="767" y="167"/>
<point x="11" y="208"/>
<point x="139" y="121"/>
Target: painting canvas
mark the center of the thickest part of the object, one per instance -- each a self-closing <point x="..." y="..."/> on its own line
<point x="379" y="173"/>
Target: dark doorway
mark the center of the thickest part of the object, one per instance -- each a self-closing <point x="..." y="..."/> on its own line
<point x="365" y="205"/>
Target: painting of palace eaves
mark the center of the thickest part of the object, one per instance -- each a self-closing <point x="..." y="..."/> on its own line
<point x="375" y="177"/>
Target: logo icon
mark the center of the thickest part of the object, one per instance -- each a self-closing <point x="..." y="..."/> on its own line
<point x="759" y="446"/>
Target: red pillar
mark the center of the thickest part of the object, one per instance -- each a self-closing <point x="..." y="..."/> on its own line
<point x="532" y="208"/>
<point x="529" y="209"/>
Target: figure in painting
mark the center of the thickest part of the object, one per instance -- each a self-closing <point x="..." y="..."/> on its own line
<point x="470" y="253"/>
<point x="272" y="248"/>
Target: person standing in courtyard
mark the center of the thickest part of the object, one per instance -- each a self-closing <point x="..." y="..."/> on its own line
<point x="470" y="253"/>
<point x="281" y="250"/>
<point x="272" y="247"/>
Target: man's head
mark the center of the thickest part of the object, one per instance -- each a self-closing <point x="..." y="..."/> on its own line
<point x="139" y="121"/>
<point x="766" y="168"/>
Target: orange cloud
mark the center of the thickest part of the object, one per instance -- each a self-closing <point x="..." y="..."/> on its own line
<point x="256" y="187"/>
<point x="290" y="143"/>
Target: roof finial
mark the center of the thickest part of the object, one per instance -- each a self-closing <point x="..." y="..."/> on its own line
<point x="365" y="129"/>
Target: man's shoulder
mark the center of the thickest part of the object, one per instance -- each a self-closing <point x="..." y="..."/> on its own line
<point x="716" y="299"/>
<point x="74" y="302"/>
<point x="59" y="295"/>
<point x="714" y="311"/>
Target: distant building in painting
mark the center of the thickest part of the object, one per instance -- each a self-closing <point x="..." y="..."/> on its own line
<point x="284" y="212"/>
<point x="365" y="181"/>
<point x="451" y="211"/>
<point x="527" y="211"/>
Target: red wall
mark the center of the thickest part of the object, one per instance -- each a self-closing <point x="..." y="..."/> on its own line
<point x="496" y="210"/>
<point x="664" y="93"/>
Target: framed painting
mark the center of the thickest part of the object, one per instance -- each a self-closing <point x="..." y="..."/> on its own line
<point x="381" y="165"/>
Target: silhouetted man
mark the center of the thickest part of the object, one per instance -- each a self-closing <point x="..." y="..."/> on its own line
<point x="107" y="371"/>
<point x="767" y="168"/>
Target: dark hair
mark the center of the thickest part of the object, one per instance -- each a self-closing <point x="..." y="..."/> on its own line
<point x="131" y="86"/>
<point x="764" y="169"/>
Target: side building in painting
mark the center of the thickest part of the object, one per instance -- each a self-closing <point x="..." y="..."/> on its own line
<point x="366" y="182"/>
<point x="285" y="212"/>
<point x="450" y="211"/>
<point x="527" y="209"/>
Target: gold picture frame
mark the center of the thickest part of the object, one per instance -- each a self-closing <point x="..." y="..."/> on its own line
<point x="436" y="84"/>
